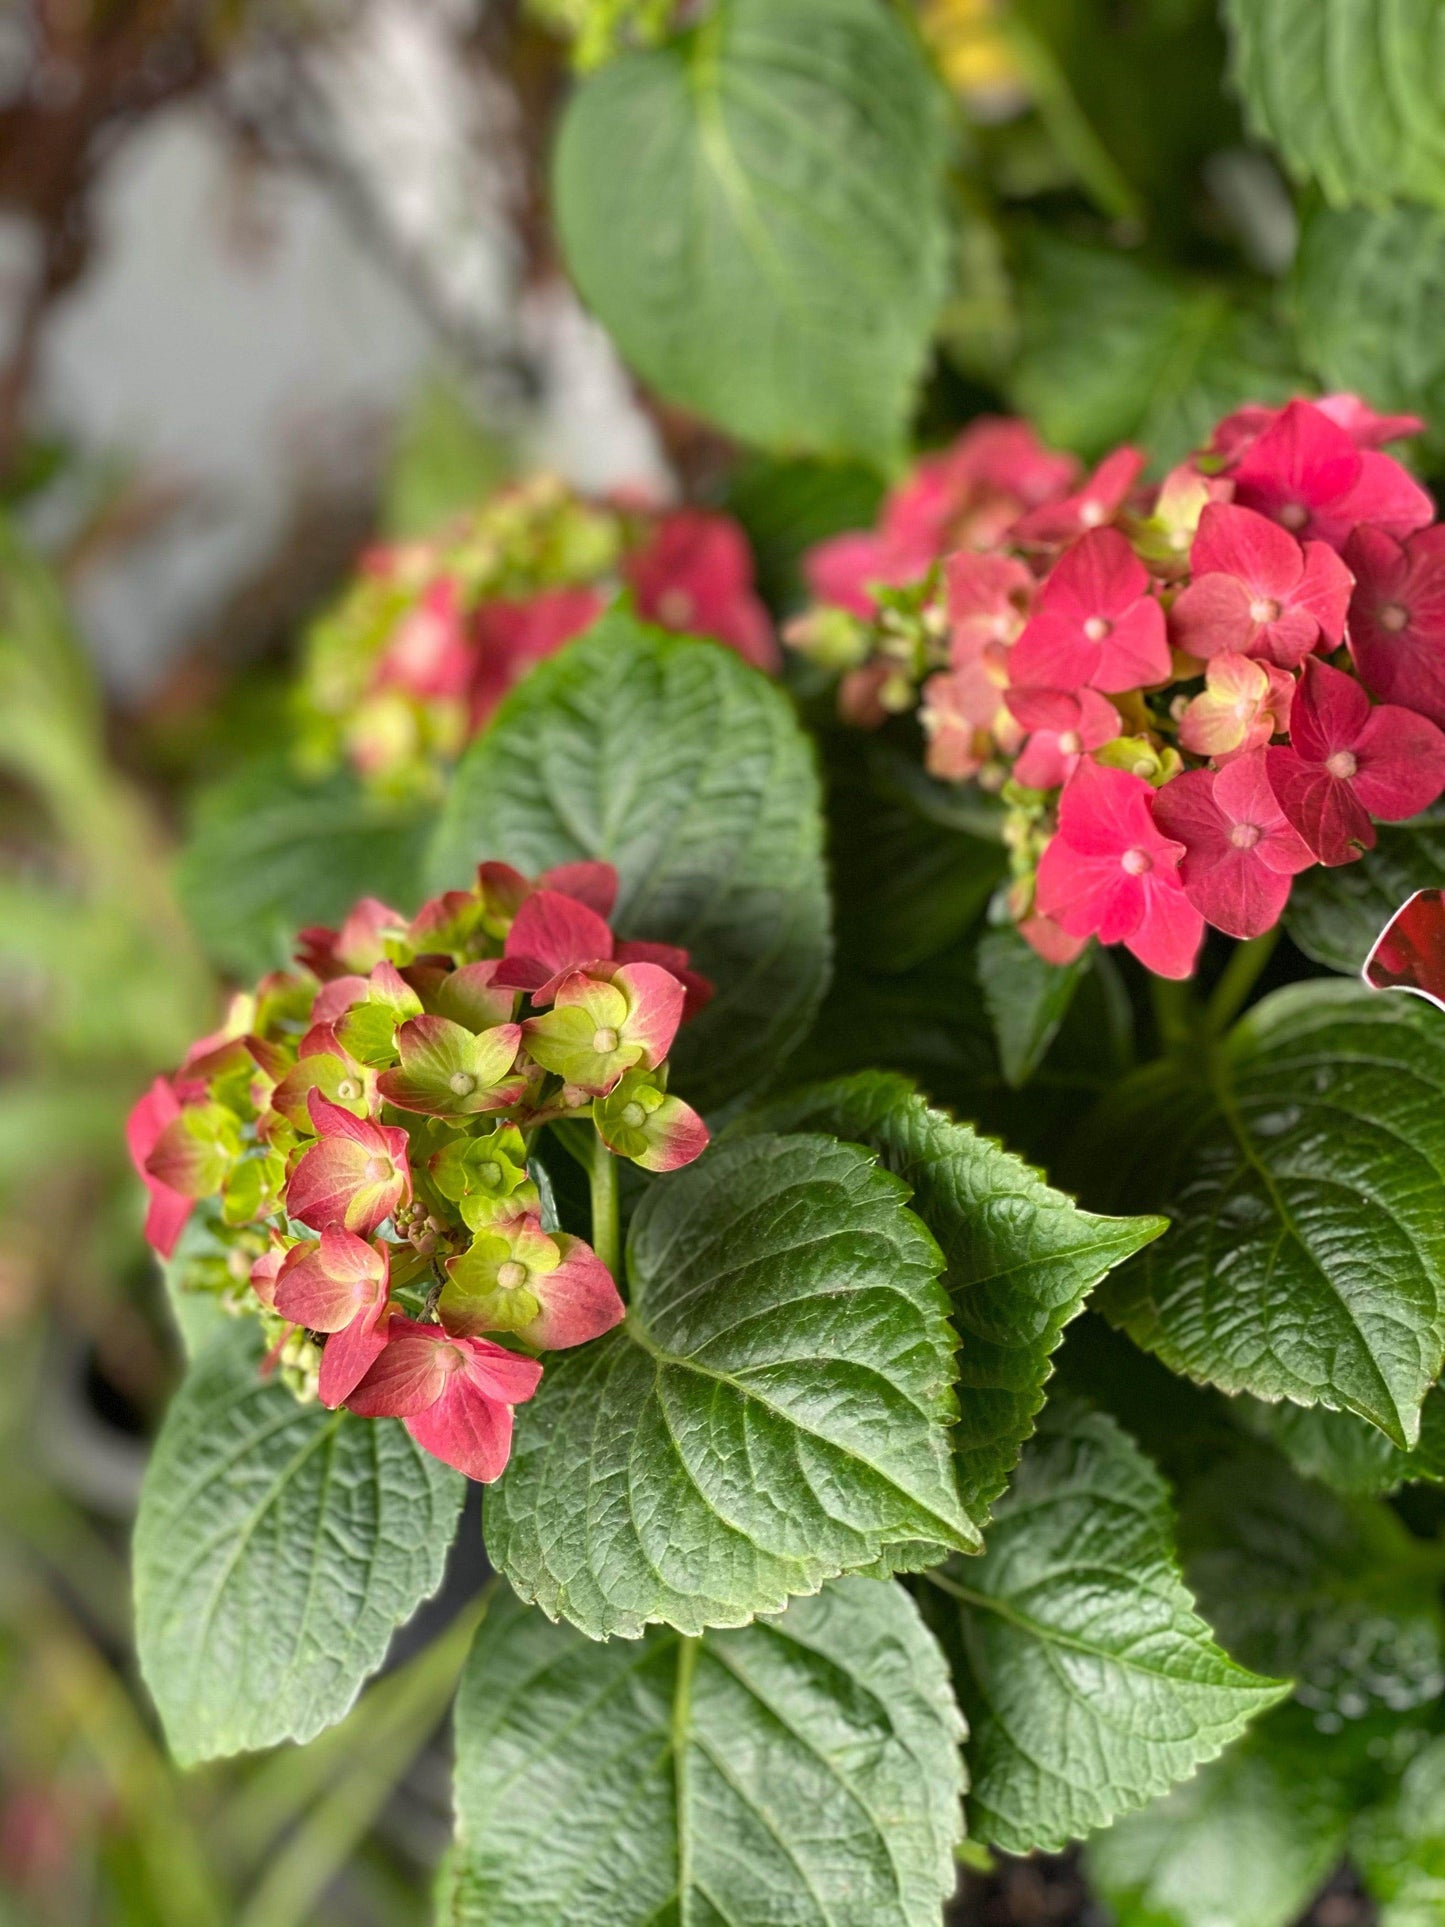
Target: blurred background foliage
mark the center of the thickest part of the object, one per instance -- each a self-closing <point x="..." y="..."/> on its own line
<point x="281" y="276"/>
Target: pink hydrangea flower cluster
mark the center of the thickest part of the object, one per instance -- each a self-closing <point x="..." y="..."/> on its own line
<point x="362" y="1128"/>
<point x="419" y="651"/>
<point x="1187" y="693"/>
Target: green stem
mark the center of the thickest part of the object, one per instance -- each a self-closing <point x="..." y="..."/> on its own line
<point x="604" y="1206"/>
<point x="1240" y="975"/>
<point x="1176" y="1015"/>
<point x="1080" y="148"/>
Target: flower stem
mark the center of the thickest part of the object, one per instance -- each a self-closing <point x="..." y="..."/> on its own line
<point x="1240" y="975"/>
<point x="1176" y="1015"/>
<point x="604" y="1206"/>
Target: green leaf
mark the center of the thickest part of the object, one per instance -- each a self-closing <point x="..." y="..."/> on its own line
<point x="773" y="1412"/>
<point x="1026" y="999"/>
<point x="1020" y="1258"/>
<point x="1246" y="1843"/>
<point x="270" y="853"/>
<point x="1300" y="1580"/>
<point x="786" y="507"/>
<point x="804" y="1769"/>
<point x="1345" y="1453"/>
<point x="1351" y="92"/>
<point x="1113" y="350"/>
<point x="277" y="1547"/>
<point x="1089" y="1682"/>
<point x="1368" y="293"/>
<point x="755" y="212"/>
<point x="1400" y="1845"/>
<point x="1335" y="915"/>
<point x="675" y="761"/>
<point x="1302" y="1160"/>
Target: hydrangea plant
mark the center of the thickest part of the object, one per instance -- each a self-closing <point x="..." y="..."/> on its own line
<point x="947" y="1314"/>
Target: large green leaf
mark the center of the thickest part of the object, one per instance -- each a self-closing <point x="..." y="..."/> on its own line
<point x="269" y="853"/>
<point x="1302" y="1160"/>
<point x="1019" y="1257"/>
<point x="1112" y="350"/>
<point x="1335" y="915"/>
<point x="1368" y="294"/>
<point x="675" y="761"/>
<point x="1089" y="1682"/>
<point x="1351" y="92"/>
<point x="1245" y="1843"/>
<point x="755" y="212"/>
<point x="773" y="1412"/>
<point x="1400" y="1845"/>
<point x="804" y="1770"/>
<point x="277" y="1547"/>
<point x="1300" y="1580"/>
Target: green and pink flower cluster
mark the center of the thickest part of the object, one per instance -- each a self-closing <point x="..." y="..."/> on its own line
<point x="1185" y="693"/>
<point x="411" y="662"/>
<point x="363" y="1125"/>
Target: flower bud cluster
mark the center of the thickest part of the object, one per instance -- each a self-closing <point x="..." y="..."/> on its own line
<point x="1185" y="694"/>
<point x="420" y="649"/>
<point x="361" y="1128"/>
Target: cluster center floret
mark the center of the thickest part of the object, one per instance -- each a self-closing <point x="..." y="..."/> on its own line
<point x="1394" y="617"/>
<point x="1294" y="515"/>
<point x="379" y="1170"/>
<point x="1244" y="836"/>
<point x="1097" y="628"/>
<point x="634" y="1116"/>
<point x="604" y="1040"/>
<point x="462" y="1082"/>
<point x="1264" y="609"/>
<point x="1136" y="862"/>
<point x="1342" y="764"/>
<point x="511" y="1273"/>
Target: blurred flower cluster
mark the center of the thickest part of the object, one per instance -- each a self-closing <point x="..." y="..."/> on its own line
<point x="419" y="650"/>
<point x="1184" y="694"/>
<point x="361" y="1130"/>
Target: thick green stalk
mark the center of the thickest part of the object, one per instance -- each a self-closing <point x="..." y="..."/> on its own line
<point x="605" y="1241"/>
<point x="1239" y="977"/>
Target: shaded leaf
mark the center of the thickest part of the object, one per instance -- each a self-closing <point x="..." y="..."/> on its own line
<point x="1400" y="1845"/>
<point x="1346" y="1453"/>
<point x="1302" y="1161"/>
<point x="804" y="1768"/>
<point x="672" y="759"/>
<point x="1112" y="350"/>
<point x="269" y="853"/>
<point x="1089" y="1682"/>
<point x="1335" y="915"/>
<point x="773" y="1412"/>
<point x="1333" y="1591"/>
<point x="1369" y="291"/>
<point x="1245" y="1843"/>
<point x="1026" y="999"/>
